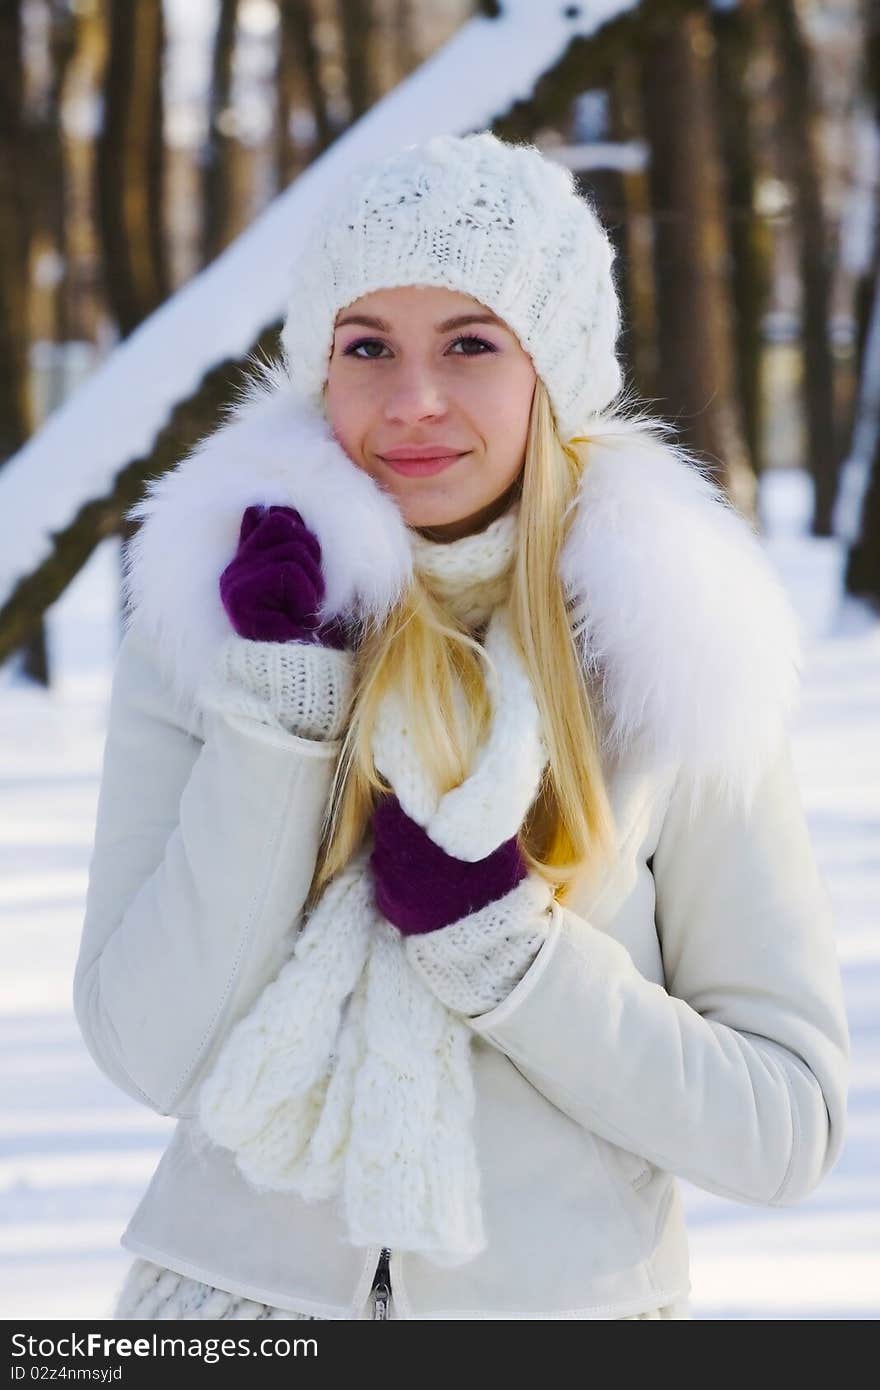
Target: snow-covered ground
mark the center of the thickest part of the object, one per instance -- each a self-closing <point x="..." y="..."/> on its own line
<point x="76" y="1154"/>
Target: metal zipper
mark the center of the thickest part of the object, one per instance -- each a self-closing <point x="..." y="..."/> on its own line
<point x="381" y="1290"/>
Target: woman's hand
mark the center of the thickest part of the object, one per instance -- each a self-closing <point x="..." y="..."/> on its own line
<point x="419" y="887"/>
<point x="273" y="587"/>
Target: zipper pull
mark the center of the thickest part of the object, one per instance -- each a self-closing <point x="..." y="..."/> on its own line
<point x="381" y="1295"/>
<point x="381" y="1289"/>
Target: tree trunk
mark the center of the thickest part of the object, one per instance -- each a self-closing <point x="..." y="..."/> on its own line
<point x="862" y="573"/>
<point x="129" y="168"/>
<point x="356" y="19"/>
<point x="129" y="164"/>
<point x="692" y="256"/>
<point x="737" y="46"/>
<point x="799" y="114"/>
<point x="49" y="200"/>
<point x="217" y="229"/>
<point x="15" y="406"/>
<point x="406" y="53"/>
<point x="635" y="221"/>
<point x="299" y="80"/>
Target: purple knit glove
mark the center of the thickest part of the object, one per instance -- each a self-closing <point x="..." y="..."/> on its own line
<point x="273" y="587"/>
<point x="419" y="887"/>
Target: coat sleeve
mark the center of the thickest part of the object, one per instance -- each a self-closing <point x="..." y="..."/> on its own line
<point x="205" y="845"/>
<point x="733" y="1074"/>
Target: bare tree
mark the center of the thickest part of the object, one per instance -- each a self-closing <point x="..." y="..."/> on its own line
<point x="739" y="42"/>
<point x="356" y="18"/>
<point x="406" y="53"/>
<point x="799" y="110"/>
<point x="299" y="86"/>
<point x="129" y="164"/>
<point x="49" y="184"/>
<point x="16" y="225"/>
<point x="15" y="414"/>
<point x="696" y="360"/>
<point x="862" y="575"/>
<point x="637" y="271"/>
<point x="217" y="228"/>
<point x="130" y="173"/>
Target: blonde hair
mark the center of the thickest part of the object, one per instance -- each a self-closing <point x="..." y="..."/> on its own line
<point x="421" y="650"/>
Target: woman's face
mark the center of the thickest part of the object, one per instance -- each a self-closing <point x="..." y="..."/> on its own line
<point x="420" y="369"/>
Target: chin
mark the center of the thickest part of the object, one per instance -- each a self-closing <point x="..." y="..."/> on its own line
<point x="426" y="510"/>
<point x="416" y="514"/>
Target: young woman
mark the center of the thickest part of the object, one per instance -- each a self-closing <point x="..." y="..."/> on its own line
<point x="451" y="882"/>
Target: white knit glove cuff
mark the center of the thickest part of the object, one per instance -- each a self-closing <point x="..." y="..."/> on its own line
<point x="302" y="688"/>
<point x="474" y="963"/>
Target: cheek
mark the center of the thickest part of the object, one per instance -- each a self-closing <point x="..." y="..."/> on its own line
<point x="504" y="407"/>
<point x="347" y="414"/>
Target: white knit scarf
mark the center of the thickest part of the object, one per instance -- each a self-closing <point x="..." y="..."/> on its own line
<point x="348" y="1076"/>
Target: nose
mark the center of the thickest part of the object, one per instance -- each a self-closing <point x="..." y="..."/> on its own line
<point x="415" y="394"/>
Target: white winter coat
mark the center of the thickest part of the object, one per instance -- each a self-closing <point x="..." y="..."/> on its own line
<point x="685" y="1018"/>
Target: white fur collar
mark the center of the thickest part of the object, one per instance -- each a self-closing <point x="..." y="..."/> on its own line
<point x="678" y="611"/>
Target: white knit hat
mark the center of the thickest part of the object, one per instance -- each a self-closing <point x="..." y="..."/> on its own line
<point x="491" y="219"/>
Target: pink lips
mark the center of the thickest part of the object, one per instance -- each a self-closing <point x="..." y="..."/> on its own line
<point x="420" y="461"/>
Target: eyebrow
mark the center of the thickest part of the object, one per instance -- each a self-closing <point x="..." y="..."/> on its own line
<point x="366" y="321"/>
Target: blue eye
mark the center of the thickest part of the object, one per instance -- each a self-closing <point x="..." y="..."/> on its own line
<point x="353" y="348"/>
